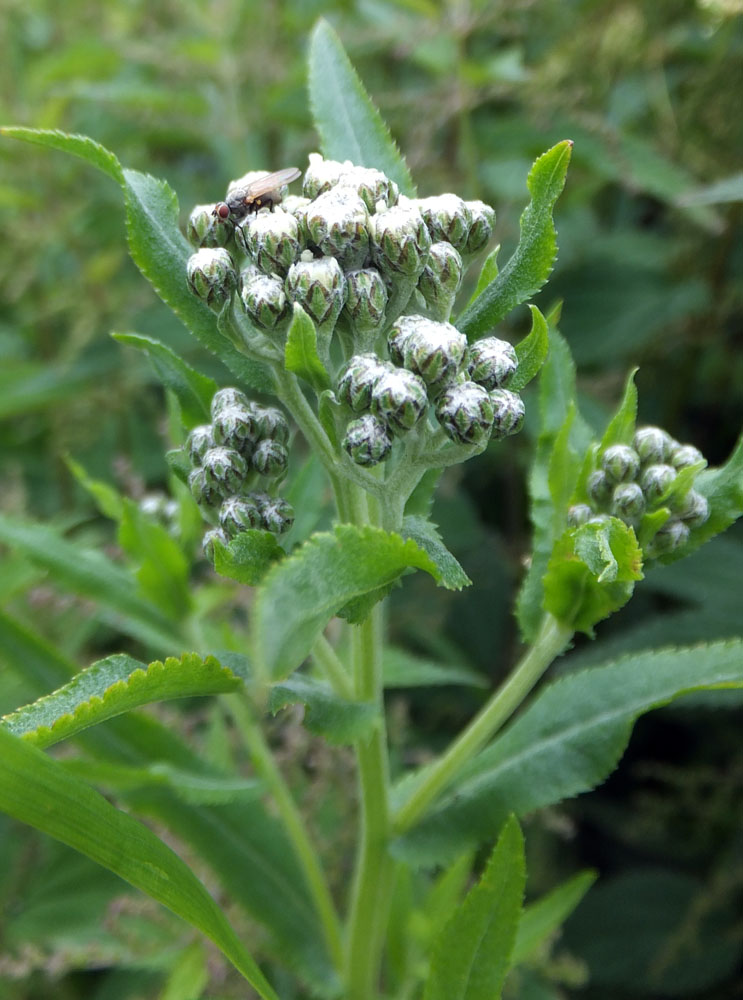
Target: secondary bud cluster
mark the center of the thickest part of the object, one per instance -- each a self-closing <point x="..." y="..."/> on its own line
<point x="243" y="443"/>
<point x="632" y="481"/>
<point x="431" y="363"/>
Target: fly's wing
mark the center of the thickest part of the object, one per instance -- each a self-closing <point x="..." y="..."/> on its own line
<point x="271" y="182"/>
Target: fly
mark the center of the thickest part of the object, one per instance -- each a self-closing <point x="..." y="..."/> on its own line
<point x="262" y="193"/>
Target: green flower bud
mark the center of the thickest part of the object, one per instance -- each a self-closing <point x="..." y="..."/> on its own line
<point x="400" y="240"/>
<point x="321" y="175"/>
<point x="263" y="298"/>
<point x="578" y="514"/>
<point x="211" y="276"/>
<point x="599" y="488"/>
<point x="210" y="537"/>
<point x="653" y="445"/>
<point x="372" y="186"/>
<point x="270" y="459"/>
<point x="366" y="299"/>
<point x="367" y="440"/>
<point x="224" y="470"/>
<point x="202" y="490"/>
<point x="693" y="509"/>
<point x="236" y="427"/>
<point x="225" y="399"/>
<point x="655" y="481"/>
<point x="509" y="412"/>
<point x="272" y="424"/>
<point x="358" y="379"/>
<point x="483" y="223"/>
<point x="271" y="239"/>
<point x="205" y="229"/>
<point x="491" y="362"/>
<point x="319" y="286"/>
<point x="337" y="224"/>
<point x="683" y="455"/>
<point x="277" y="514"/>
<point x="433" y="350"/>
<point x="465" y="411"/>
<point x="670" y="538"/>
<point x="448" y="219"/>
<point x="198" y="442"/>
<point x="628" y="502"/>
<point x="440" y="278"/>
<point x="620" y="463"/>
<point x="399" y="398"/>
<point x="239" y="514"/>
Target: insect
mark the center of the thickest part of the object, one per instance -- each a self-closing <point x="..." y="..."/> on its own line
<point x="261" y="193"/>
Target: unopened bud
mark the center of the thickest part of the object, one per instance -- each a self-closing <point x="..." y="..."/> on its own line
<point x="198" y="442"/>
<point x="509" y="412"/>
<point x="239" y="514"/>
<point x="465" y="411"/>
<point x="628" y="502"/>
<point x="263" y="297"/>
<point x="491" y="362"/>
<point x="655" y="482"/>
<point x="693" y="509"/>
<point x="440" y="278"/>
<point x="433" y="350"/>
<point x="653" y="445"/>
<point x="599" y="488"/>
<point x="277" y="514"/>
<point x="337" y="224"/>
<point x="357" y="381"/>
<point x="212" y="276"/>
<point x="684" y="455"/>
<point x="400" y="240"/>
<point x="212" y="536"/>
<point x="483" y="223"/>
<point x="448" y="218"/>
<point x="367" y="440"/>
<point x="271" y="240"/>
<point x="366" y="299"/>
<point x="205" y="229"/>
<point x="224" y="470"/>
<point x="203" y="490"/>
<point x="319" y="286"/>
<point x="271" y="423"/>
<point x="670" y="538"/>
<point x="270" y="459"/>
<point x="399" y="398"/>
<point x="236" y="427"/>
<point x="578" y="514"/>
<point x="620" y="463"/>
<point x="224" y="399"/>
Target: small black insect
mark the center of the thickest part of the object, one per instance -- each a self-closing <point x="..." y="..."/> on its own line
<point x="262" y="193"/>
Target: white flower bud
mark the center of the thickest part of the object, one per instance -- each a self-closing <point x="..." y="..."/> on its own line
<point x="367" y="440"/>
<point x="271" y="240"/>
<point x="212" y="276"/>
<point x="620" y="463"/>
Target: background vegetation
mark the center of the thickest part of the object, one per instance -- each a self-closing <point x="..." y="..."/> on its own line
<point x="651" y="273"/>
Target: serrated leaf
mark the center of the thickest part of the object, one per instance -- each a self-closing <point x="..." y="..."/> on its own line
<point x="37" y="790"/>
<point x="568" y="741"/>
<point x="326" y="714"/>
<point x="349" y="125"/>
<point x="88" y="572"/>
<point x="472" y="954"/>
<point x="401" y="669"/>
<point x="113" y="686"/>
<point x="591" y="573"/>
<point x="193" y="390"/>
<point x="545" y="916"/>
<point x="531" y="351"/>
<point x="621" y="427"/>
<point x="300" y="353"/>
<point x="300" y="595"/>
<point x="425" y="535"/>
<point x="248" y="557"/>
<point x="532" y="261"/>
<point x="156" y="244"/>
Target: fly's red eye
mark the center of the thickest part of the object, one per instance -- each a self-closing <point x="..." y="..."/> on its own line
<point x="222" y="210"/>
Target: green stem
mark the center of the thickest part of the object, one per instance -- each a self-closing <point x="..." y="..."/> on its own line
<point x="266" y="768"/>
<point x="327" y="659"/>
<point x="552" y="640"/>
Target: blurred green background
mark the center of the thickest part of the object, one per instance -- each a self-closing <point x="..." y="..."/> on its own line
<point x="651" y="274"/>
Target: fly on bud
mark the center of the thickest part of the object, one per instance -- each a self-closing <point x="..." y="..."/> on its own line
<point x="265" y="192"/>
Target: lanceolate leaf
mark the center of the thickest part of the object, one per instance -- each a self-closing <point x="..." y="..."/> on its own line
<point x="157" y="245"/>
<point x="193" y="390"/>
<point x="472" y="953"/>
<point x="301" y="594"/>
<point x="425" y="534"/>
<point x="350" y="126"/>
<point x="326" y="714"/>
<point x="531" y="351"/>
<point x="545" y="916"/>
<point x="553" y="752"/>
<point x="534" y="257"/>
<point x="621" y="427"/>
<point x="38" y="790"/>
<point x="300" y="355"/>
<point x="113" y="686"/>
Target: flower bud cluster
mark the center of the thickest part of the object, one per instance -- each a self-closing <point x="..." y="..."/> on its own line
<point x="244" y="442"/>
<point x="631" y="481"/>
<point x="431" y="364"/>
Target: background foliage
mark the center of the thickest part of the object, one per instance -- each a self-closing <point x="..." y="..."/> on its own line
<point x="651" y="272"/>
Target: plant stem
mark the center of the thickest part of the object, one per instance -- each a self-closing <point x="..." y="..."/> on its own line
<point x="327" y="659"/>
<point x="552" y="640"/>
<point x="293" y="823"/>
<point x="374" y="867"/>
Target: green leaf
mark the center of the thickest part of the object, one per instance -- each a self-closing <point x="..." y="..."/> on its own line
<point x="326" y="714"/>
<point x="544" y="917"/>
<point x="531" y="351"/>
<point x="248" y="557"/>
<point x="621" y="427"/>
<point x="567" y="742"/>
<point x="592" y="573"/>
<point x="156" y="244"/>
<point x="300" y="354"/>
<point x="87" y="572"/>
<point x="532" y="261"/>
<point x="426" y="536"/>
<point x="37" y="790"/>
<point x="401" y="669"/>
<point x="488" y="274"/>
<point x="472" y="954"/>
<point x="349" y="125"/>
<point x="300" y="595"/>
<point x="193" y="390"/>
<point x="113" y="686"/>
<point x="108" y="499"/>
